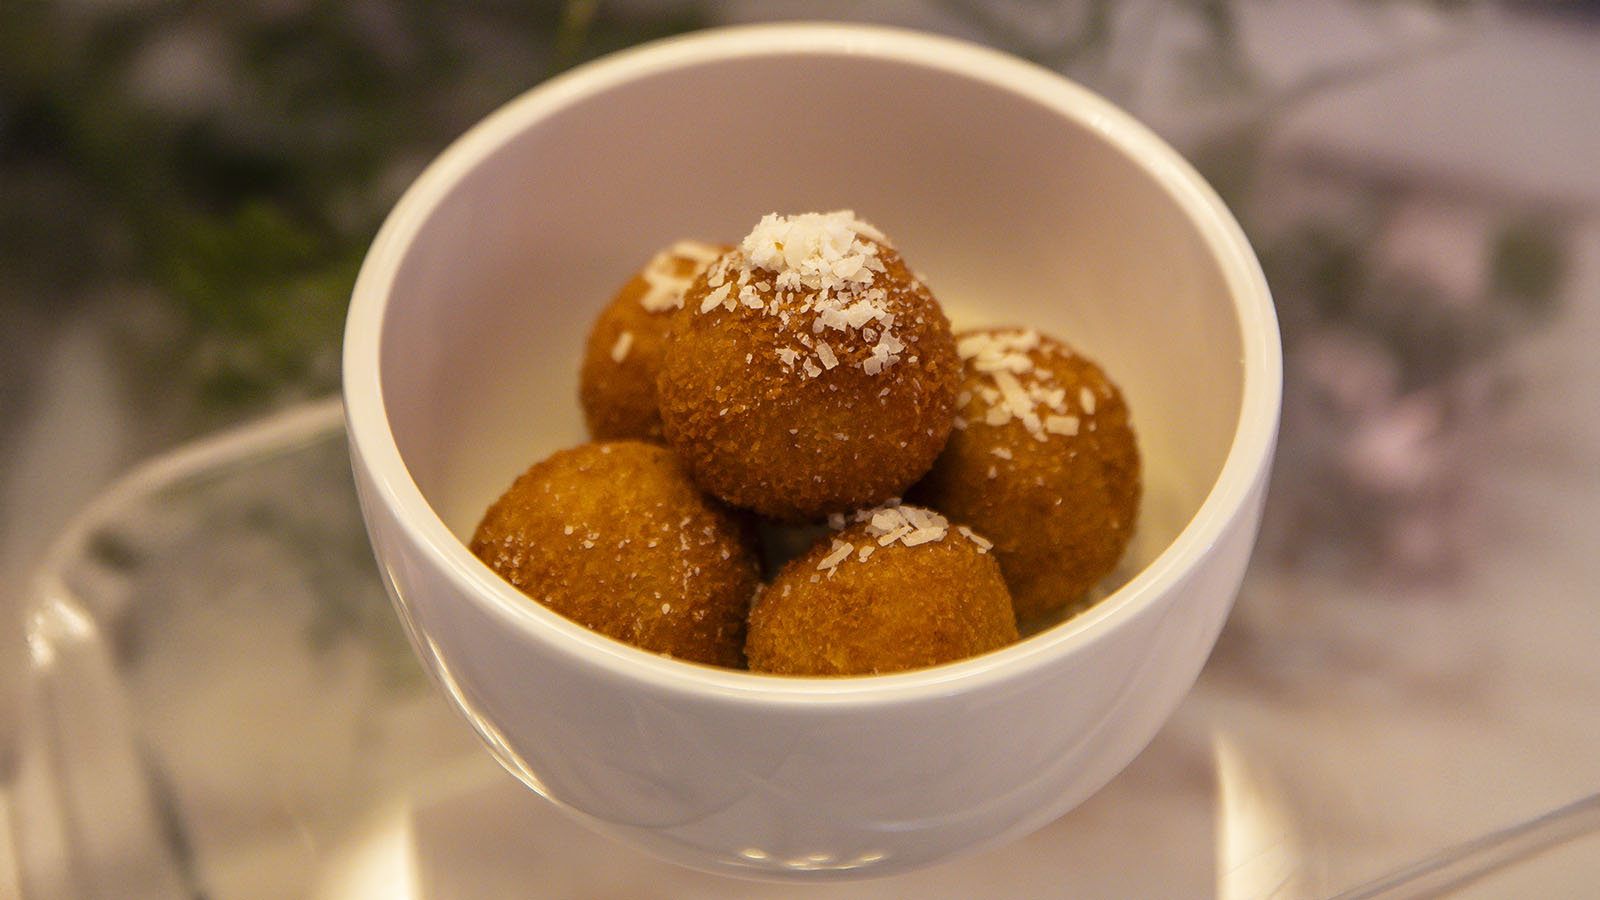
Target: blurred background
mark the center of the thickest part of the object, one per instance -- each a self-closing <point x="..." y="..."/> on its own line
<point x="187" y="189"/>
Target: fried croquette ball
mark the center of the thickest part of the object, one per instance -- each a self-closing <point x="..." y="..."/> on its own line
<point x="899" y="588"/>
<point x="617" y="381"/>
<point x="809" y="372"/>
<point x="1042" y="462"/>
<point x="616" y="537"/>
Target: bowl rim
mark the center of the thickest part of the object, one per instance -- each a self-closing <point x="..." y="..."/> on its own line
<point x="376" y="454"/>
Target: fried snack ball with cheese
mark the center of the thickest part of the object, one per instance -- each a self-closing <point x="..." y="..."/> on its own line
<point x="616" y="537"/>
<point x="617" y="381"/>
<point x="1044" y="463"/>
<point x="809" y="372"/>
<point x="900" y="588"/>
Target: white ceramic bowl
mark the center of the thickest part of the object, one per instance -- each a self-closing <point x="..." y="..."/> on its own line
<point x="1022" y="199"/>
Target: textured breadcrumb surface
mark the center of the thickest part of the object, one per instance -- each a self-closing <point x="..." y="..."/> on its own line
<point x="796" y="411"/>
<point x="1044" y="463"/>
<point x="842" y="609"/>
<point x="622" y="357"/>
<point x="616" y="537"/>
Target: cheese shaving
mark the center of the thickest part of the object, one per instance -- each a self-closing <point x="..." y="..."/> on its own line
<point x="716" y="298"/>
<point x="840" y="551"/>
<point x="824" y="265"/>
<point x="894" y="522"/>
<point x="669" y="273"/>
<point x="984" y="545"/>
<point x="619" y="350"/>
<point x="1013" y="388"/>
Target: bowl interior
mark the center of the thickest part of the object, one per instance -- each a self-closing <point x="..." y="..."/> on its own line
<point x="1017" y="206"/>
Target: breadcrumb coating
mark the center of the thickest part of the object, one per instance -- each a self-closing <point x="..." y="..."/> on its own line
<point x="616" y="537"/>
<point x="617" y="381"/>
<point x="882" y="596"/>
<point x="1043" y="462"/>
<point x="818" y="387"/>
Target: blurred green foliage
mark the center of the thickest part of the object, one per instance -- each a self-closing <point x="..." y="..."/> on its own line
<point x="1528" y="263"/>
<point x="232" y="161"/>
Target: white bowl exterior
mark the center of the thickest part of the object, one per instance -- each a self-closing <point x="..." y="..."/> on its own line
<point x="505" y="239"/>
<point x="813" y="790"/>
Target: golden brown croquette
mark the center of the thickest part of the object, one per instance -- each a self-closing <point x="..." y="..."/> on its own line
<point x="1043" y="462"/>
<point x="616" y="537"/>
<point x="898" y="588"/>
<point x="808" y="372"/>
<point x="617" y="381"/>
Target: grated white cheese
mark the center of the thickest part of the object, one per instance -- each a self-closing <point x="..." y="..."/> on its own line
<point x="895" y="522"/>
<point x="1013" y="388"/>
<point x="895" y="535"/>
<point x="670" y="272"/>
<point x="984" y="545"/>
<point x="716" y="298"/>
<point x="619" y="350"/>
<point x="825" y="354"/>
<point x="823" y="265"/>
<point x="1062" y="425"/>
<point x="840" y="551"/>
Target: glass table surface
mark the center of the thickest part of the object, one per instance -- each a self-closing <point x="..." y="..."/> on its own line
<point x="215" y="700"/>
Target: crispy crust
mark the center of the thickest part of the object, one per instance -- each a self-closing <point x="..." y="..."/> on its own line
<point x="617" y="538"/>
<point x="766" y="436"/>
<point x="1060" y="511"/>
<point x="901" y="608"/>
<point x="619" y="396"/>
